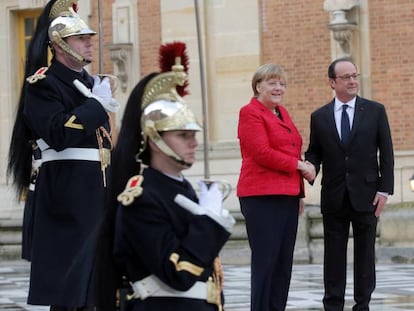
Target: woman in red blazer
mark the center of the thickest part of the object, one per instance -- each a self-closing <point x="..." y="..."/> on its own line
<point x="270" y="187"/>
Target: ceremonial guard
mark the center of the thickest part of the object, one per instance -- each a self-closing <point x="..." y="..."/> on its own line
<point x="167" y="238"/>
<point x="63" y="125"/>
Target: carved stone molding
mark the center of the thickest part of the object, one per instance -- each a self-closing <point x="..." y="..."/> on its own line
<point x="121" y="56"/>
<point x="333" y="5"/>
<point x="340" y="25"/>
<point x="342" y="34"/>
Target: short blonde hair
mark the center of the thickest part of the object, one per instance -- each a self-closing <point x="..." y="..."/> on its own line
<point x="266" y="72"/>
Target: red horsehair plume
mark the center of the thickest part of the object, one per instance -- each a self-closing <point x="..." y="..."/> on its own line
<point x="167" y="57"/>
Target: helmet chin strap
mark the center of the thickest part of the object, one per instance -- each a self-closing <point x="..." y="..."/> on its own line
<point x="157" y="139"/>
<point x="168" y="151"/>
<point x="62" y="43"/>
<point x="182" y="162"/>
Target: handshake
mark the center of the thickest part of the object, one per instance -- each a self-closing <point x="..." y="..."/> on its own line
<point x="307" y="169"/>
<point x="101" y="91"/>
<point x="210" y="204"/>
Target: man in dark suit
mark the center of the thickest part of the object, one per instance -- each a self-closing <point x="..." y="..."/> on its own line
<point x="353" y="144"/>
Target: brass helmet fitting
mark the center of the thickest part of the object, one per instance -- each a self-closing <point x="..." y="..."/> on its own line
<point x="63" y="8"/>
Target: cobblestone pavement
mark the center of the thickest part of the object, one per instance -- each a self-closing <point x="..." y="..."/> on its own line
<point x="394" y="292"/>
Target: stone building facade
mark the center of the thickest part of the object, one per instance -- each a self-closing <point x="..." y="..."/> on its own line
<point x="227" y="40"/>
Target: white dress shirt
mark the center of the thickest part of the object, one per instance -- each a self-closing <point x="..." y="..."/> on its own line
<point x="338" y="113"/>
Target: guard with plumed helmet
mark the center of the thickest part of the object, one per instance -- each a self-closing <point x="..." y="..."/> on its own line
<point x="60" y="163"/>
<point x="167" y="238"/>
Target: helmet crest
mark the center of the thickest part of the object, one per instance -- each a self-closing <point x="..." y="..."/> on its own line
<point x="63" y="8"/>
<point x="163" y="108"/>
<point x="172" y="82"/>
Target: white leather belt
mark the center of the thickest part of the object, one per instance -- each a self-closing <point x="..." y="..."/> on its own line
<point x="87" y="154"/>
<point x="151" y="286"/>
<point x="42" y="144"/>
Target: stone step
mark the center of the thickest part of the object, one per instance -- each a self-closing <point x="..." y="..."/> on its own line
<point x="239" y="229"/>
<point x="394" y="241"/>
<point x="10" y="239"/>
<point x="10" y="252"/>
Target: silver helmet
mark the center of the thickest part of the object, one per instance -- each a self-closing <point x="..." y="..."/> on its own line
<point x="67" y="24"/>
<point x="162" y="116"/>
<point x="163" y="109"/>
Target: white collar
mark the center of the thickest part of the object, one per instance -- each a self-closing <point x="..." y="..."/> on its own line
<point x="339" y="104"/>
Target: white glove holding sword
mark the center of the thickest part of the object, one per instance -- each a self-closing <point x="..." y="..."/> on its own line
<point x="101" y="91"/>
<point x="210" y="204"/>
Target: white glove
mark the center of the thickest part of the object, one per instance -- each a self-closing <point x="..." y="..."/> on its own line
<point x="210" y="197"/>
<point x="225" y="219"/>
<point x="102" y="90"/>
<point x="100" y="87"/>
<point x="113" y="105"/>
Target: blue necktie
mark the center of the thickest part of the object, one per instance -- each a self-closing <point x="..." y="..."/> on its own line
<point x="345" y="127"/>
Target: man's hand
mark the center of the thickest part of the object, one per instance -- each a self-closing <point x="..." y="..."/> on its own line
<point x="210" y="197"/>
<point x="380" y="201"/>
<point x="102" y="89"/>
<point x="225" y="219"/>
<point x="307" y="170"/>
<point x="100" y="93"/>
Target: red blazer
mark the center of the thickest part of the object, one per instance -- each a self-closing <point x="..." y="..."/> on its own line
<point x="270" y="150"/>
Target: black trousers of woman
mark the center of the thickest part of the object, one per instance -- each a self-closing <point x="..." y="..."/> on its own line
<point x="271" y="223"/>
<point x="55" y="308"/>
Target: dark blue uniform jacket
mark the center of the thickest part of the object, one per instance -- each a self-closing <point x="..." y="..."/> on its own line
<point x="153" y="228"/>
<point x="68" y="201"/>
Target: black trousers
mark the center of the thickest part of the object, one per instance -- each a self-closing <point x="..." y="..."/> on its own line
<point x="336" y="233"/>
<point x="56" y="308"/>
<point x="271" y="223"/>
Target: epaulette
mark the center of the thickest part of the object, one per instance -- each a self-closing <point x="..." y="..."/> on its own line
<point x="132" y="190"/>
<point x="38" y="75"/>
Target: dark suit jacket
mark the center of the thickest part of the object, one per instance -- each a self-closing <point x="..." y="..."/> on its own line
<point x="363" y="167"/>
